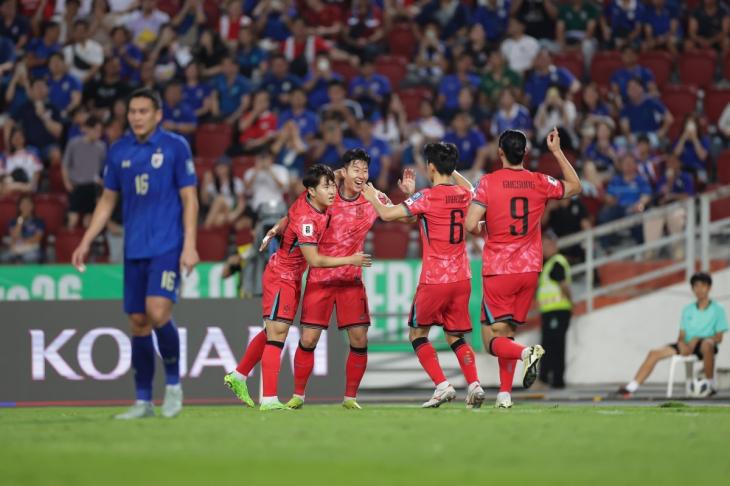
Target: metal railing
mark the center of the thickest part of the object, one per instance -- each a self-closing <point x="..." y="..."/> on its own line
<point x="697" y="227"/>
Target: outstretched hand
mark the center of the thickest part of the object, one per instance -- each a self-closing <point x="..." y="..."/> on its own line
<point x="553" y="140"/>
<point x="408" y="183"/>
<point x="369" y="192"/>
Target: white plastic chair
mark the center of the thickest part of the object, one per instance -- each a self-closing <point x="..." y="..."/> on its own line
<point x="689" y="364"/>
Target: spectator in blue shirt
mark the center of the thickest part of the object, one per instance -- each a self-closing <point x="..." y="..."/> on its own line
<point x="7" y="56"/>
<point x="661" y="27"/>
<point x="198" y="95"/>
<point x="333" y="144"/>
<point x="249" y="55"/>
<point x="632" y="70"/>
<point x="621" y="22"/>
<point x="544" y="75"/>
<point x="471" y="144"/>
<point x="643" y="114"/>
<point x="600" y="158"/>
<point x="709" y="26"/>
<point x="369" y="88"/>
<point x="511" y="116"/>
<point x="451" y="85"/>
<point x="693" y="148"/>
<point x="493" y="15"/>
<point x="231" y="90"/>
<point x="178" y="116"/>
<point x="675" y="184"/>
<point x="317" y="81"/>
<point x="279" y="82"/>
<point x="129" y="54"/>
<point x="64" y="90"/>
<point x="452" y="18"/>
<point x="41" y="48"/>
<point x="14" y="25"/>
<point x="26" y="233"/>
<point x="306" y="120"/>
<point x="379" y="151"/>
<point x="627" y="193"/>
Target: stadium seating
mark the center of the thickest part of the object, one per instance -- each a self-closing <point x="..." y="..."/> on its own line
<point x="402" y="41"/>
<point x="241" y="164"/>
<point x="659" y="63"/>
<point x="391" y="241"/>
<point x="726" y="64"/>
<point x="411" y="99"/>
<point x="572" y="61"/>
<point x="8" y="210"/>
<point x="244" y="236"/>
<point x="345" y="69"/>
<point x="723" y="167"/>
<point x="202" y="166"/>
<point x="680" y="101"/>
<point x="55" y="180"/>
<point x="66" y="242"/>
<point x="212" y="244"/>
<point x="603" y="65"/>
<point x="697" y="68"/>
<point x="212" y="140"/>
<point x="716" y="100"/>
<point x="51" y="208"/>
<point x="394" y="68"/>
<point x="548" y="165"/>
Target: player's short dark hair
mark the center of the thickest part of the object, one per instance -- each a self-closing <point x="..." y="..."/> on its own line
<point x="148" y="93"/>
<point x="514" y="145"/>
<point x="700" y="277"/>
<point x="355" y="154"/>
<point x="314" y="175"/>
<point x="444" y="156"/>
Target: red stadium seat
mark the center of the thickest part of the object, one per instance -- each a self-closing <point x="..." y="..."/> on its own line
<point x="212" y="140"/>
<point x="659" y="63"/>
<point x="572" y="61"/>
<point x="202" y="166"/>
<point x="411" y="99"/>
<point x="51" y="208"/>
<point x="66" y="243"/>
<point x="697" y="68"/>
<point x="603" y="65"/>
<point x="680" y="100"/>
<point x="394" y="68"/>
<point x="8" y="211"/>
<point x="391" y="241"/>
<point x="212" y="244"/>
<point x="726" y="64"/>
<point x="723" y="167"/>
<point x="345" y="69"/>
<point x="55" y="179"/>
<point x="241" y="164"/>
<point x="548" y="165"/>
<point x="716" y="100"/>
<point x="244" y="236"/>
<point x="402" y="41"/>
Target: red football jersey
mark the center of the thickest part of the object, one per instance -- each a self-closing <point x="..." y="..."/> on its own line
<point x="441" y="211"/>
<point x="305" y="227"/>
<point x="350" y="221"/>
<point x="515" y="201"/>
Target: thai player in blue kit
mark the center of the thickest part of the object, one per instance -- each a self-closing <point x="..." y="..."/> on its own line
<point x="153" y="171"/>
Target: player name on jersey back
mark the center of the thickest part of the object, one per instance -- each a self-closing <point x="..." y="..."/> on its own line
<point x="515" y="202"/>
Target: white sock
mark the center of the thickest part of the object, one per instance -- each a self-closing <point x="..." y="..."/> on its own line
<point x="442" y="385"/>
<point x="238" y="376"/>
<point x="526" y="352"/>
<point x="176" y="386"/>
<point x="142" y="402"/>
<point x="344" y="399"/>
<point x="633" y="386"/>
<point x="298" y="396"/>
<point x="503" y="395"/>
<point x="713" y="383"/>
<point x="473" y="385"/>
<point x="268" y="400"/>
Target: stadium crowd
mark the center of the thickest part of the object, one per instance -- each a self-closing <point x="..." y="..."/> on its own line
<point x="262" y="89"/>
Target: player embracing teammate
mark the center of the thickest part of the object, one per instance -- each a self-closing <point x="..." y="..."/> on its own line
<point x="513" y="200"/>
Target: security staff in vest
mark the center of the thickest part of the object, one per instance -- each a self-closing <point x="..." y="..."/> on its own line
<point x="553" y="296"/>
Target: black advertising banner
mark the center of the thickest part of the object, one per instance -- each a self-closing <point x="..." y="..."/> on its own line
<point x="79" y="353"/>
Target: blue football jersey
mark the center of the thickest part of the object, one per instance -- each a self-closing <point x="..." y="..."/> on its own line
<point x="148" y="177"/>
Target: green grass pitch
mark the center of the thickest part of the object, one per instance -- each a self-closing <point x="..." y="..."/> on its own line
<point x="380" y="445"/>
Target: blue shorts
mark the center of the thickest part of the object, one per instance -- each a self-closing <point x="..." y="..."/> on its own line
<point x="156" y="276"/>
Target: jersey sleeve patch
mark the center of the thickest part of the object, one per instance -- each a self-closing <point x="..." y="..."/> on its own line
<point x="411" y="200"/>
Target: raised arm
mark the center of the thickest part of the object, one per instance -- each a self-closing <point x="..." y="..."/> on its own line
<point x="462" y="181"/>
<point x="189" y="257"/>
<point x="314" y="259"/>
<point x="571" y="181"/>
<point x="277" y="229"/>
<point x="102" y="213"/>
<point x="385" y="212"/>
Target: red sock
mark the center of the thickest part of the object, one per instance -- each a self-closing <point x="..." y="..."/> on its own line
<point x="429" y="359"/>
<point x="506" y="374"/>
<point x="468" y="365"/>
<point x="270" y="366"/>
<point x="303" y="365"/>
<point x="357" y="361"/>
<point x="503" y="347"/>
<point x="253" y="354"/>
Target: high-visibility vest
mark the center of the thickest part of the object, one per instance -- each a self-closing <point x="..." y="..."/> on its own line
<point x="549" y="296"/>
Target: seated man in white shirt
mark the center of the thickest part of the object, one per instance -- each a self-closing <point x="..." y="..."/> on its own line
<point x="519" y="49"/>
<point x="266" y="182"/>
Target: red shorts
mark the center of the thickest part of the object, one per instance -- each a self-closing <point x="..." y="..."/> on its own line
<point x="444" y="305"/>
<point x="320" y="299"/>
<point x="508" y="297"/>
<point x="281" y="297"/>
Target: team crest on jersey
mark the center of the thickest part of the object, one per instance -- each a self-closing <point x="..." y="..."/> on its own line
<point x="552" y="180"/>
<point x="307" y="229"/>
<point x="157" y="159"/>
<point x="413" y="198"/>
<point x="126" y="164"/>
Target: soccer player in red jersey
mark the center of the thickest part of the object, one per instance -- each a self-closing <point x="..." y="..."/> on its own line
<point x="513" y="200"/>
<point x="351" y="217"/>
<point x="442" y="297"/>
<point x="307" y="219"/>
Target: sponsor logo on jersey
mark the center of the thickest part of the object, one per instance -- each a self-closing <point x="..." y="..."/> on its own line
<point x="413" y="198"/>
<point x="552" y="180"/>
<point x="157" y="159"/>
<point x="126" y="164"/>
<point x="307" y="229"/>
